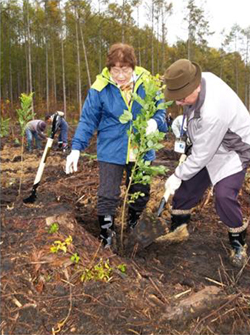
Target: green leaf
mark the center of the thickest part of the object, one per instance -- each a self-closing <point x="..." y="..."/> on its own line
<point x="122" y="267"/>
<point x="150" y="143"/>
<point x="126" y="117"/>
<point x="162" y="105"/>
<point x="53" y="228"/>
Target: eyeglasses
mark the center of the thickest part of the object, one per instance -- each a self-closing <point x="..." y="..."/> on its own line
<point x="121" y="70"/>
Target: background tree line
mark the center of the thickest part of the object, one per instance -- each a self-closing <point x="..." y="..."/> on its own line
<point x="56" y="48"/>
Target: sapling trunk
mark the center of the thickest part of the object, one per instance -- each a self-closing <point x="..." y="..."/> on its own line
<point x="21" y="174"/>
<point x="125" y="201"/>
<point x="142" y="142"/>
<point x="25" y="114"/>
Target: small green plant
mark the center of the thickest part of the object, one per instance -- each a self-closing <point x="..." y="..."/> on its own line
<point x="143" y="171"/>
<point x="101" y="271"/>
<point x="122" y="267"/>
<point x="4" y="127"/>
<point x="61" y="245"/>
<point x="25" y="114"/>
<point x="53" y="228"/>
<point x="75" y="258"/>
<point x="90" y="156"/>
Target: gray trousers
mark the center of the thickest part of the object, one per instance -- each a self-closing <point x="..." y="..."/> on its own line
<point x="109" y="189"/>
<point x="226" y="192"/>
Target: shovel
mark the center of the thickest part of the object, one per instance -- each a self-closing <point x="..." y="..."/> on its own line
<point x="32" y="198"/>
<point x="149" y="227"/>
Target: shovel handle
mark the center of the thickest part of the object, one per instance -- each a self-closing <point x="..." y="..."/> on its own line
<point x="163" y="202"/>
<point x="43" y="160"/>
<point x="167" y="194"/>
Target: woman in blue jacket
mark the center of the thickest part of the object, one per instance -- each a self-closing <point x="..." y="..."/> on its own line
<point x="106" y="101"/>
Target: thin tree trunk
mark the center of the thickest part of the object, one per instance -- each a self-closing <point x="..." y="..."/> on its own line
<point x="100" y="38"/>
<point x="26" y="51"/>
<point x="63" y="34"/>
<point x="63" y="80"/>
<point x="152" y="39"/>
<point x="29" y="58"/>
<point x="10" y="89"/>
<point x="236" y="76"/>
<point x="163" y="57"/>
<point x="10" y="77"/>
<point x="189" y="42"/>
<point x="54" y="75"/>
<point x="85" y="55"/>
<point x="26" y="65"/>
<point x="139" y="35"/>
<point x="157" y="45"/>
<point x="46" y="57"/>
<point x="189" y="48"/>
<point x="123" y="23"/>
<point x="79" y="94"/>
<point x="100" y="47"/>
<point x="47" y="74"/>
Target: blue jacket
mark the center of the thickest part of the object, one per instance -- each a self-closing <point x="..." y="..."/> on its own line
<point x="101" y="111"/>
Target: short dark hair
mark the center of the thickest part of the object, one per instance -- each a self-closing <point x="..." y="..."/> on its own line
<point x="47" y="116"/>
<point x="123" y="54"/>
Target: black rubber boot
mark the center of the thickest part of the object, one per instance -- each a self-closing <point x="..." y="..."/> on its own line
<point x="178" y="220"/>
<point x="107" y="233"/>
<point x="238" y="255"/>
<point x="133" y="217"/>
<point x="178" y="231"/>
<point x="60" y="145"/>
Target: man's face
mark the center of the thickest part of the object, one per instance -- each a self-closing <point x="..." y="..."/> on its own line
<point x="190" y="99"/>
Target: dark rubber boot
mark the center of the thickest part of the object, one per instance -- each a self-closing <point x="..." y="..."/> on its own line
<point x="179" y="220"/>
<point x="60" y="145"/>
<point x="107" y="233"/>
<point x="29" y="147"/>
<point x="178" y="229"/>
<point x="133" y="217"/>
<point x="238" y="255"/>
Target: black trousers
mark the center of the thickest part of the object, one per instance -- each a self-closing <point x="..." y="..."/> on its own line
<point x="109" y="188"/>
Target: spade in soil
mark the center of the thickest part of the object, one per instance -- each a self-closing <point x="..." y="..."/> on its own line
<point x="32" y="197"/>
<point x="149" y="227"/>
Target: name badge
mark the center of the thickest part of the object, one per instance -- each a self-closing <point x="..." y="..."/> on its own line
<point x="180" y="146"/>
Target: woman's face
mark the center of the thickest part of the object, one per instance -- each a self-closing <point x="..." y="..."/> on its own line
<point x="121" y="74"/>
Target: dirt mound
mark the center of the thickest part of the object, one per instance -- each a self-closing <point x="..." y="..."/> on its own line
<point x="57" y="279"/>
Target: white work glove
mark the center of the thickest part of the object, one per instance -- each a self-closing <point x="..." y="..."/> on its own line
<point x="71" y="161"/>
<point x="151" y="126"/>
<point x="172" y="184"/>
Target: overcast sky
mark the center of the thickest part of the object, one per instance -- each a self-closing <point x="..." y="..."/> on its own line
<point x="221" y="14"/>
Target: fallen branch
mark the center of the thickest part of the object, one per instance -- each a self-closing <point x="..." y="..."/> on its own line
<point x="216" y="311"/>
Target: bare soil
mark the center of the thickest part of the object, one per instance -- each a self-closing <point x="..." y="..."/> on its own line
<point x="186" y="288"/>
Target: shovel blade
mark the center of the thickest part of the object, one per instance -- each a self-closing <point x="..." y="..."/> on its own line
<point x="147" y="230"/>
<point x="31" y="199"/>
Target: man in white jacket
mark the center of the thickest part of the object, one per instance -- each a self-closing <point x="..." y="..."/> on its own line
<point x="219" y="129"/>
